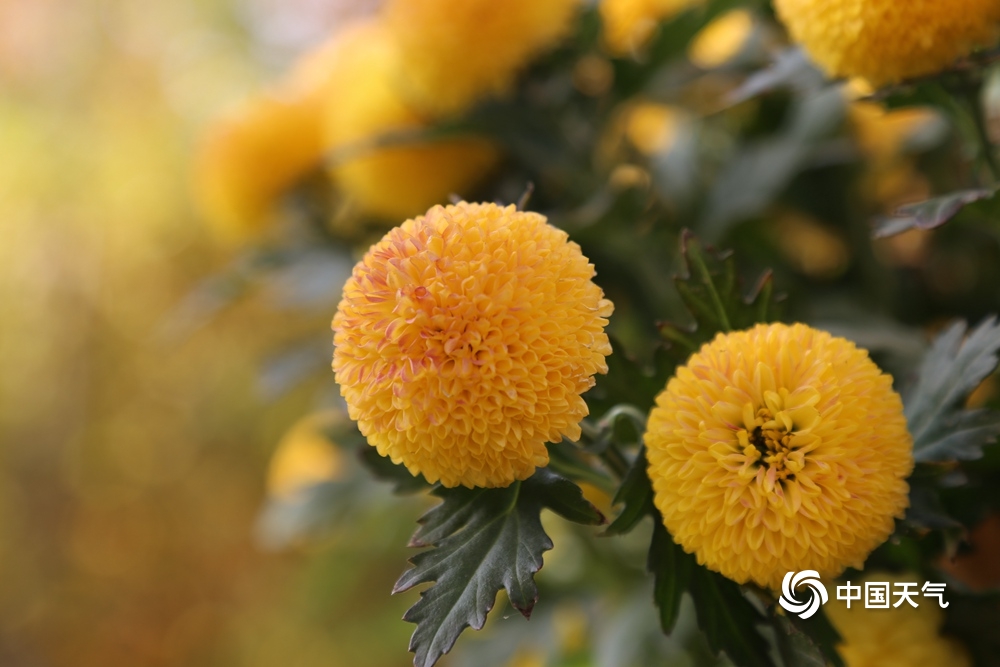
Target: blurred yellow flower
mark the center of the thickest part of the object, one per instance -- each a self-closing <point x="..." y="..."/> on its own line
<point x="464" y="340"/>
<point x="363" y="104"/>
<point x="652" y="127"/>
<point x="779" y="448"/>
<point x="721" y="40"/>
<point x="248" y="158"/>
<point x="886" y="41"/>
<point x="901" y="636"/>
<point x="304" y="457"/>
<point x="629" y="24"/>
<point x="459" y="52"/>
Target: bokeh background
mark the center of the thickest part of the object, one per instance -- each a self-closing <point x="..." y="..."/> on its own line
<point x="133" y="456"/>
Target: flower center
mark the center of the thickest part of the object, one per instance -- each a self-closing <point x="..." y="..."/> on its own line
<point x="769" y="445"/>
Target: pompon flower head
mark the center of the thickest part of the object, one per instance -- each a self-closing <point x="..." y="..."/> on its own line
<point x="363" y="104"/>
<point x="902" y="636"/>
<point x="459" y="52"/>
<point x="464" y="340"/>
<point x="886" y="41"/>
<point x="779" y="448"/>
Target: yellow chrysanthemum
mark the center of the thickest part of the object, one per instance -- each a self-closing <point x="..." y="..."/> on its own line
<point x="629" y="24"/>
<point x="364" y="104"/>
<point x="886" y="41"/>
<point x="459" y="52"/>
<point x="304" y="457"/>
<point x="464" y="340"/>
<point x="250" y="157"/>
<point x="901" y="636"/>
<point x="779" y="448"/>
<point x="722" y="39"/>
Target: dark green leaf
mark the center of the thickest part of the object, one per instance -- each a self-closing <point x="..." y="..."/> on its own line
<point x="954" y="366"/>
<point x="671" y="569"/>
<point x="929" y="214"/>
<point x="482" y="540"/>
<point x="562" y="497"/>
<point x="819" y="634"/>
<point x="728" y="619"/>
<point x="568" y="460"/>
<point x="636" y="493"/>
<point x="711" y="290"/>
<point x="625" y="382"/>
<point x="383" y="469"/>
<point x="796" y="648"/>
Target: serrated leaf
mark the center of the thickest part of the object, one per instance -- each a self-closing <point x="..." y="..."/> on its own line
<point x="482" y="540"/>
<point x="636" y="492"/>
<point x="671" y="569"/>
<point x="711" y="290"/>
<point x="930" y="213"/>
<point x="728" y="619"/>
<point x="954" y="366"/>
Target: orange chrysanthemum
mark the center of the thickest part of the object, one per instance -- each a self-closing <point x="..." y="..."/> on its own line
<point x="464" y="340"/>
<point x="886" y="41"/>
<point x="779" y="448"/>
<point x="901" y="636"/>
<point x="459" y="52"/>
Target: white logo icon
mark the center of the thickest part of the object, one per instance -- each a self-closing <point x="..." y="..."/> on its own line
<point x="817" y="593"/>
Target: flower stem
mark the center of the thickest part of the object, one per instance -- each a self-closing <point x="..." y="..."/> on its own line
<point x="972" y="99"/>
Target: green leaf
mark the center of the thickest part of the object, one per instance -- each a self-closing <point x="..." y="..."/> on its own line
<point x="636" y="492"/>
<point x="671" y="569"/>
<point x="626" y="382"/>
<point x="482" y="540"/>
<point x="759" y="171"/>
<point x="383" y="469"/>
<point x="792" y="68"/>
<point x="819" y="634"/>
<point x="930" y="213"/>
<point x="954" y="366"/>
<point x="711" y="290"/>
<point x="795" y="647"/>
<point x="728" y="619"/>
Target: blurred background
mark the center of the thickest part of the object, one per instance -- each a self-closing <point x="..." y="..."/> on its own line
<point x="133" y="462"/>
<point x="148" y="372"/>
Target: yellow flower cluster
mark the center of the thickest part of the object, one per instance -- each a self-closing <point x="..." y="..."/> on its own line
<point x="901" y="636"/>
<point x="886" y="41"/>
<point x="392" y="182"/>
<point x="366" y="100"/>
<point x="464" y="340"/>
<point x="779" y="448"/>
<point x="459" y="52"/>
